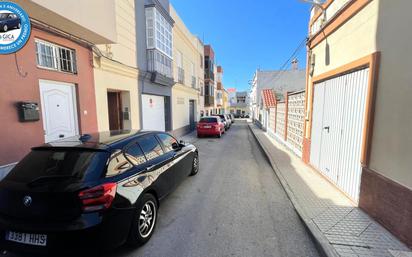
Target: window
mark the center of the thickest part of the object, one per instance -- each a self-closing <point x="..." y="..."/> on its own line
<point x="117" y="164"/>
<point x="135" y="154"/>
<point x="208" y="119"/>
<point x="67" y="164"/>
<point x="201" y="61"/>
<point x="150" y="147"/>
<point x="55" y="57"/>
<point x="167" y="141"/>
<point x="159" y="32"/>
<point x="179" y="59"/>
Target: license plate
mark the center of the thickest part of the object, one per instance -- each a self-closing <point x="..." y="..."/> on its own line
<point x="207" y="126"/>
<point x="24" y="238"/>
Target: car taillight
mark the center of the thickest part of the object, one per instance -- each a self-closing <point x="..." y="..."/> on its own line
<point x="98" y="198"/>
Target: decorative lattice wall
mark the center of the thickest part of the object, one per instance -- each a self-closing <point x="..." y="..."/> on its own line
<point x="296" y="116"/>
<point x="280" y="120"/>
<point x="272" y="120"/>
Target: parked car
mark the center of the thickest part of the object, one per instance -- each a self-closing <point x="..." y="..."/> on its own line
<point x="210" y="126"/>
<point x="97" y="191"/>
<point x="9" y="21"/>
<point x="233" y="117"/>
<point x="229" y="118"/>
<point x="225" y="120"/>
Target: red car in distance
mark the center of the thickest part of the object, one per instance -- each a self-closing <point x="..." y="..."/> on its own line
<point x="210" y="126"/>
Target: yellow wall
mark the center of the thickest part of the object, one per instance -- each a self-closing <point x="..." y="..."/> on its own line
<point x="188" y="45"/>
<point x="117" y="71"/>
<point x="354" y="40"/>
<point x="91" y="20"/>
<point x="108" y="80"/>
<point x="381" y="26"/>
<point x="392" y="134"/>
<point x="180" y="106"/>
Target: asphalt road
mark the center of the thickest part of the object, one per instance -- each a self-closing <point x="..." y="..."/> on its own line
<point x="235" y="206"/>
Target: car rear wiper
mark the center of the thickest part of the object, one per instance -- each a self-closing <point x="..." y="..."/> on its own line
<point x="49" y="178"/>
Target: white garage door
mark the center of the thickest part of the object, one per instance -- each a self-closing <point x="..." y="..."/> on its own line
<point x="58" y="110"/>
<point x="337" y="126"/>
<point x="153" y="112"/>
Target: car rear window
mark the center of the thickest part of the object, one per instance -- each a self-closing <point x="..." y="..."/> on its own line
<point x="208" y="120"/>
<point x="73" y="163"/>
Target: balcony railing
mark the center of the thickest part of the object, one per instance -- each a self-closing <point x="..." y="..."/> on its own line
<point x="209" y="100"/>
<point x="194" y="82"/>
<point x="159" y="62"/>
<point x="180" y="75"/>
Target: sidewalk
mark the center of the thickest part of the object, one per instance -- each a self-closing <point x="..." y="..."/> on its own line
<point x="339" y="227"/>
<point x="189" y="138"/>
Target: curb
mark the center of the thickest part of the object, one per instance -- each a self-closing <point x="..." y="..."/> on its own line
<point x="321" y="242"/>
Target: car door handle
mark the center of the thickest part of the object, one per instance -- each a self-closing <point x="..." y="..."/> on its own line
<point x="327" y="128"/>
<point x="150" y="168"/>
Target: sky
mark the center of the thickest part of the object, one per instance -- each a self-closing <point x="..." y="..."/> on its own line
<point x="247" y="34"/>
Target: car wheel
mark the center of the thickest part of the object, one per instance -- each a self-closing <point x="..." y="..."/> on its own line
<point x="195" y="165"/>
<point x="144" y="221"/>
<point x="5" y="28"/>
<point x="19" y="25"/>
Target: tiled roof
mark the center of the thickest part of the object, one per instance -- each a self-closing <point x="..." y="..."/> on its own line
<point x="269" y="98"/>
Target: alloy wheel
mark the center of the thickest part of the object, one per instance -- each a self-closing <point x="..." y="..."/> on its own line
<point x="19" y="26"/>
<point x="195" y="164"/>
<point x="5" y="28"/>
<point x="147" y="219"/>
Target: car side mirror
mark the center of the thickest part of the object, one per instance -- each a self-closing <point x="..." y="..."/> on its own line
<point x="176" y="146"/>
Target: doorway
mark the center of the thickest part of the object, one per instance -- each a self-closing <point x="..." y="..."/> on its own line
<point x="114" y="104"/>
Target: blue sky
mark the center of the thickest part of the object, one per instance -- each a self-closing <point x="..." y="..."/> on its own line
<point x="247" y="34"/>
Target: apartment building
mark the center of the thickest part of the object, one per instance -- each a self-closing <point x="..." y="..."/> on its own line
<point x="210" y="105"/>
<point x="48" y="86"/>
<point x="154" y="39"/>
<point x="219" y="90"/>
<point x="239" y="104"/>
<point x="116" y="74"/>
<point x="358" y="120"/>
<point x="188" y="75"/>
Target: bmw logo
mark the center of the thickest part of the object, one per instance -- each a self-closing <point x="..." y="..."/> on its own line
<point x="27" y="200"/>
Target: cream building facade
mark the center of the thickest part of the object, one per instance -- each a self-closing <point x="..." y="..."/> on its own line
<point x="359" y="62"/>
<point x="188" y="74"/>
<point x="116" y="74"/>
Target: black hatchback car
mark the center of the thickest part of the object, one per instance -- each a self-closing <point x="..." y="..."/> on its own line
<point x="95" y="191"/>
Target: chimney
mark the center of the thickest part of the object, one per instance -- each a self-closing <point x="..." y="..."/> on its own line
<point x="295" y="64"/>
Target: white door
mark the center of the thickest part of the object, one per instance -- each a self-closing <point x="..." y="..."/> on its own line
<point x="153" y="112"/>
<point x="58" y="110"/>
<point x="332" y="127"/>
<point x="352" y="133"/>
<point x="337" y="126"/>
<point x="317" y="124"/>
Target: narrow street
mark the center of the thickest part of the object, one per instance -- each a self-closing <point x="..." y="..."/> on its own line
<point x="235" y="206"/>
